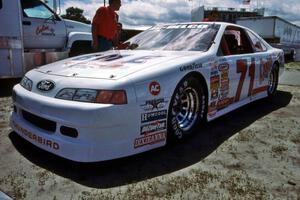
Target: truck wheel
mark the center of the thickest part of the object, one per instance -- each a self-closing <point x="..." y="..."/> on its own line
<point x="187" y="109"/>
<point x="273" y="81"/>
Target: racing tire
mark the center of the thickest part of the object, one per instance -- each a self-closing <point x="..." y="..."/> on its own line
<point x="273" y="81"/>
<point x="186" y="110"/>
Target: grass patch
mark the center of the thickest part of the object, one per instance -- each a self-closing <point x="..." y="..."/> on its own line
<point x="292" y="66"/>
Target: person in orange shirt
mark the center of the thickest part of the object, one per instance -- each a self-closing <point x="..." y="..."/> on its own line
<point x="213" y="16"/>
<point x="105" y="26"/>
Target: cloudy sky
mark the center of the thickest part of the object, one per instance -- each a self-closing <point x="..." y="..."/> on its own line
<point x="149" y="12"/>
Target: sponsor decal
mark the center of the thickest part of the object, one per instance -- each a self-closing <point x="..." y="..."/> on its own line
<point x="150" y="139"/>
<point x="214" y="86"/>
<point x="264" y="69"/>
<point x="36" y="138"/>
<point x="212" y="109"/>
<point x="193" y="66"/>
<point x="45" y="85"/>
<point x="222" y="103"/>
<point x="154" y="88"/>
<point x="223" y="67"/>
<point x="154" y="104"/>
<point x="224" y="80"/>
<point x="153" y="116"/>
<point x="88" y="57"/>
<point x="153" y="127"/>
<point x="45" y="30"/>
<point x="111" y="57"/>
<point x="142" y="59"/>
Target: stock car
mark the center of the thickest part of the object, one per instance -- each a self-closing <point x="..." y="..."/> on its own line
<point x="163" y="84"/>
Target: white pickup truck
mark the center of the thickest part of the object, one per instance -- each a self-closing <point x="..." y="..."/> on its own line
<point x="32" y="34"/>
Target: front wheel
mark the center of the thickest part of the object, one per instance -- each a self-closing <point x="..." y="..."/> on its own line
<point x="273" y="81"/>
<point x="187" y="108"/>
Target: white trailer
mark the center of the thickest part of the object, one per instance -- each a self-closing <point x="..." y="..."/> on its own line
<point x="277" y="31"/>
<point x="32" y="34"/>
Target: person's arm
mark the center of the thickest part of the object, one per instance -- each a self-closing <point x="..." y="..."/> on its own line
<point x="95" y="28"/>
<point x="95" y="36"/>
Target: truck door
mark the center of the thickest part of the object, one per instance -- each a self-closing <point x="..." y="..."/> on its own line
<point x="42" y="28"/>
<point x="11" y="47"/>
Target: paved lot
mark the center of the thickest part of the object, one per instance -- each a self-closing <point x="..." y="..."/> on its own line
<point x="291" y="77"/>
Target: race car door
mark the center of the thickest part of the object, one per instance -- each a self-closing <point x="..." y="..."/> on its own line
<point x="42" y="28"/>
<point x="11" y="47"/>
<point x="236" y="53"/>
<point x="263" y="64"/>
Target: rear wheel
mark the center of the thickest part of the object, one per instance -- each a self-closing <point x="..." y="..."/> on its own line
<point x="273" y="81"/>
<point x="187" y="108"/>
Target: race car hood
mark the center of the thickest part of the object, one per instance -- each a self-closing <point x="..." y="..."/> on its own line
<point x="112" y="64"/>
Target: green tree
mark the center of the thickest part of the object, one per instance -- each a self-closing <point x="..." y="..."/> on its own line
<point x="75" y="14"/>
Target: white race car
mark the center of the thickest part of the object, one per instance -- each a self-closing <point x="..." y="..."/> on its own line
<point x="170" y="79"/>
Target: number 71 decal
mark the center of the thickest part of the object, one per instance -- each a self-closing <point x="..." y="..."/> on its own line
<point x="242" y="68"/>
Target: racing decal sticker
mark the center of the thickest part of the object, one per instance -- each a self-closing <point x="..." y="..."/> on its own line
<point x="153" y="116"/>
<point x="153" y="127"/>
<point x="45" y="30"/>
<point x="214" y="86"/>
<point x="212" y="109"/>
<point x="150" y="139"/>
<point x="36" y="138"/>
<point x="190" y="67"/>
<point x="243" y="68"/>
<point x="224" y="80"/>
<point x="87" y="57"/>
<point x="222" y="103"/>
<point x="264" y="69"/>
<point x="143" y="59"/>
<point x="154" y="88"/>
<point x="154" y="104"/>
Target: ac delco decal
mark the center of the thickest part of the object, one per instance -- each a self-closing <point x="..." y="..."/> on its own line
<point x="36" y="138"/>
<point x="149" y="139"/>
<point x="153" y="127"/>
<point x="154" y="88"/>
<point x="154" y="116"/>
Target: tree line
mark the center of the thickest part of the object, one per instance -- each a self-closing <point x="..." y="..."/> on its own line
<point x="76" y="14"/>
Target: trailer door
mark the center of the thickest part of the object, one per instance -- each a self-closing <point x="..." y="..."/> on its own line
<point x="11" y="47"/>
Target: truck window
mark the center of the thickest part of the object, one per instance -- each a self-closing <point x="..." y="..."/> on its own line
<point x="0" y="4"/>
<point x="36" y="9"/>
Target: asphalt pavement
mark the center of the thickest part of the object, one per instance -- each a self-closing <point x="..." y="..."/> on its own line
<point x="291" y="77"/>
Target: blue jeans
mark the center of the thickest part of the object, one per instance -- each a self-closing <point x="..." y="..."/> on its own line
<point x="104" y="44"/>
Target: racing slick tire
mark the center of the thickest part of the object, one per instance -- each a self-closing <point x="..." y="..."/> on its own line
<point x="273" y="81"/>
<point x="186" y="110"/>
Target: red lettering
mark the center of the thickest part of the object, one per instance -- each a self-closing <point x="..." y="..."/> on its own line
<point x="241" y="67"/>
<point x="252" y="76"/>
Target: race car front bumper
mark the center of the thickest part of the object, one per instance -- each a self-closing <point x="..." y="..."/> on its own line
<point x="104" y="132"/>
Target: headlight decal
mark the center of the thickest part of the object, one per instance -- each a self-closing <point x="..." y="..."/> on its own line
<point x="26" y="83"/>
<point x="93" y="96"/>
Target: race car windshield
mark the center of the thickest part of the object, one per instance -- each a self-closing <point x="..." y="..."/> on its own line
<point x="178" y="37"/>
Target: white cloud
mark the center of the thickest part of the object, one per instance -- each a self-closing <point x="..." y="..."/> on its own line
<point x="148" y="12"/>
